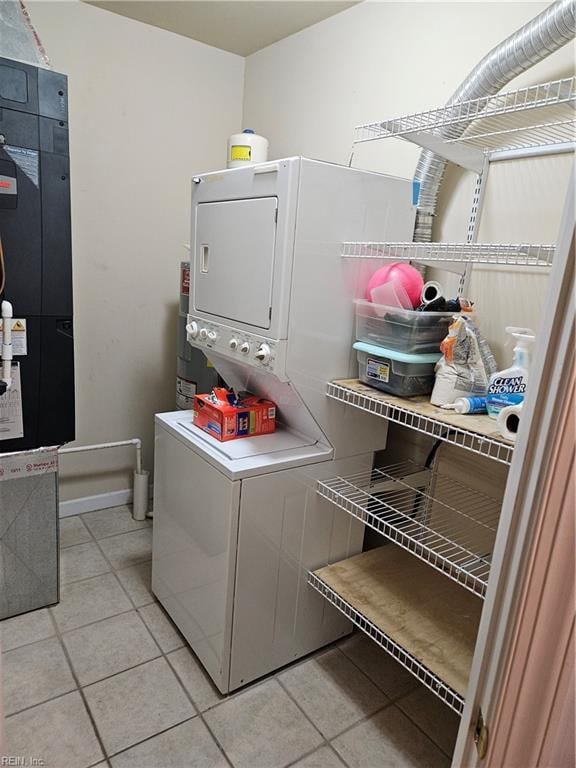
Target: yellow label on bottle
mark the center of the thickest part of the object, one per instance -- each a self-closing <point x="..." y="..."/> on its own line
<point x="240" y="152"/>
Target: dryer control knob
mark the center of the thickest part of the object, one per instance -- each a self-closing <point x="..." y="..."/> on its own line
<point x="192" y="329"/>
<point x="245" y="348"/>
<point x="233" y="344"/>
<point x="203" y="334"/>
<point x="263" y="354"/>
<point x="212" y="336"/>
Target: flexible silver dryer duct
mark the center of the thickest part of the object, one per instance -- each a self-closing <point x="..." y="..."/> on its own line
<point x="537" y="39"/>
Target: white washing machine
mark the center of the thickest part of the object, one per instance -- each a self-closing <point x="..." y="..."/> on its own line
<point x="238" y="525"/>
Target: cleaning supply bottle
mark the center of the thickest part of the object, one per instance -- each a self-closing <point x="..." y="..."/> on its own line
<point x="470" y="405"/>
<point x="508" y="387"/>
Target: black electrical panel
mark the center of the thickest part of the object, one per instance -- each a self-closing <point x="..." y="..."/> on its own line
<point x="36" y="241"/>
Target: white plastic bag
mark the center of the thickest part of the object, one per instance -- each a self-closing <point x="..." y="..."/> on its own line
<point x="466" y="363"/>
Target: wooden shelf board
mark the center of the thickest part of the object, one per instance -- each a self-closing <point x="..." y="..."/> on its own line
<point x="430" y="616"/>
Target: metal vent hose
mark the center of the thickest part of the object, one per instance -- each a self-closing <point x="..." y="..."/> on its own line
<point x="532" y="43"/>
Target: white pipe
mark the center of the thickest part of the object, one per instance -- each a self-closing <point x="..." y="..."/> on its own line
<point x="7" y="315"/>
<point x="100" y="446"/>
<point x="513" y="154"/>
<point x="141" y="477"/>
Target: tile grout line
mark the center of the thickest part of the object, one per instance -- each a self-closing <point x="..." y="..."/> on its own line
<point x="363" y="719"/>
<point x="326" y="742"/>
<point x="115" y="674"/>
<point x="80" y="691"/>
<point x="135" y="607"/>
<point x="200" y="712"/>
<point x="124" y="507"/>
<point x="58" y="635"/>
<point x="39" y="704"/>
<point x="216" y="740"/>
<point x="419" y="727"/>
<point x="164" y="655"/>
<point x="294" y="700"/>
<point x="326" y="745"/>
<point x="393" y="699"/>
<point x="112" y="569"/>
<point x="91" y="623"/>
<point x="149" y="738"/>
<point x="25" y="645"/>
<point x="161" y="655"/>
<point x="112" y="535"/>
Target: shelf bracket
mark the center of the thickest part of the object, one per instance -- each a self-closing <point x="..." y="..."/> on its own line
<point x="467" y="157"/>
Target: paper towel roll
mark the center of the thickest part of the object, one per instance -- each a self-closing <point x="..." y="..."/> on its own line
<point x="431" y="291"/>
<point x="509" y="421"/>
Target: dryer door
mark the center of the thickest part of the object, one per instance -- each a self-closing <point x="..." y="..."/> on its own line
<point x="234" y="259"/>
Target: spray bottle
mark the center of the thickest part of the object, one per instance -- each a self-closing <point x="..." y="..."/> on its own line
<point x="508" y="387"/>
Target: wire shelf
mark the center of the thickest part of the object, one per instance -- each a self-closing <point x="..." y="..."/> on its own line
<point x="409" y="662"/>
<point x="445" y="524"/>
<point x="473" y="433"/>
<point x="470" y="253"/>
<point x="535" y="117"/>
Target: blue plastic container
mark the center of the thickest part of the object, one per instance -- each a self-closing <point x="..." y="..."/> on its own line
<point x="398" y="373"/>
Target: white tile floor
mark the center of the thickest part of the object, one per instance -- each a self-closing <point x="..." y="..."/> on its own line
<point x="105" y="679"/>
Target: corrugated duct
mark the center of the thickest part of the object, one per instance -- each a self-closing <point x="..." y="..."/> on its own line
<point x="532" y="43"/>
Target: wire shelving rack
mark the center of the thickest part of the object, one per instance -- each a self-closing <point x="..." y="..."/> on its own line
<point x="445" y="524"/>
<point x="468" y="132"/>
<point x="417" y="414"/>
<point x="406" y="659"/>
<point x="523" y="255"/>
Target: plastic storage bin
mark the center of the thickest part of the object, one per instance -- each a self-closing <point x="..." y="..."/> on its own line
<point x="403" y="329"/>
<point x="396" y="372"/>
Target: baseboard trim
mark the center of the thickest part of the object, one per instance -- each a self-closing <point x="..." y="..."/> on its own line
<point x="92" y="503"/>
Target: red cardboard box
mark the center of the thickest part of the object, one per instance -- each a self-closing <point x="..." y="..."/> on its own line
<point x="226" y="417"/>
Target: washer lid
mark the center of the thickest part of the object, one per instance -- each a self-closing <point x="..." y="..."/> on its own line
<point x="246" y="456"/>
<point x="243" y="447"/>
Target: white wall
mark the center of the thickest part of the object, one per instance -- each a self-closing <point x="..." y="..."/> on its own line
<point x="381" y="60"/>
<point x="148" y="109"/>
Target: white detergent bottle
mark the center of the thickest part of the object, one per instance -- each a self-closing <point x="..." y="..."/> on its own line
<point x="508" y="387"/>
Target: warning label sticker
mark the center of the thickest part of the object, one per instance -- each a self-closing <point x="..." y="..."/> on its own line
<point x="240" y="152"/>
<point x="11" y="423"/>
<point x="19" y="343"/>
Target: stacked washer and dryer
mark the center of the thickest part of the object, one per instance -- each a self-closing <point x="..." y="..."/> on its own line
<point x="238" y="525"/>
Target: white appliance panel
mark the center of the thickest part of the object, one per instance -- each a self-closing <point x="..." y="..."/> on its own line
<point x="234" y="259"/>
<point x="194" y="549"/>
<point x="287" y="529"/>
<point x="278" y="179"/>
<point x="231" y="558"/>
<point x="330" y="204"/>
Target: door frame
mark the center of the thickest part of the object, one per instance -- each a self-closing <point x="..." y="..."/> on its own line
<point x="523" y="502"/>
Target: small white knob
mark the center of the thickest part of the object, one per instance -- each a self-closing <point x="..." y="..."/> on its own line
<point x="245" y="348"/>
<point x="233" y="344"/>
<point x="263" y="353"/>
<point x="212" y="336"/>
<point x="192" y="329"/>
<point x="203" y="334"/>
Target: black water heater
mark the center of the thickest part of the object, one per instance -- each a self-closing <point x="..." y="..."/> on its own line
<point x="36" y="242"/>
